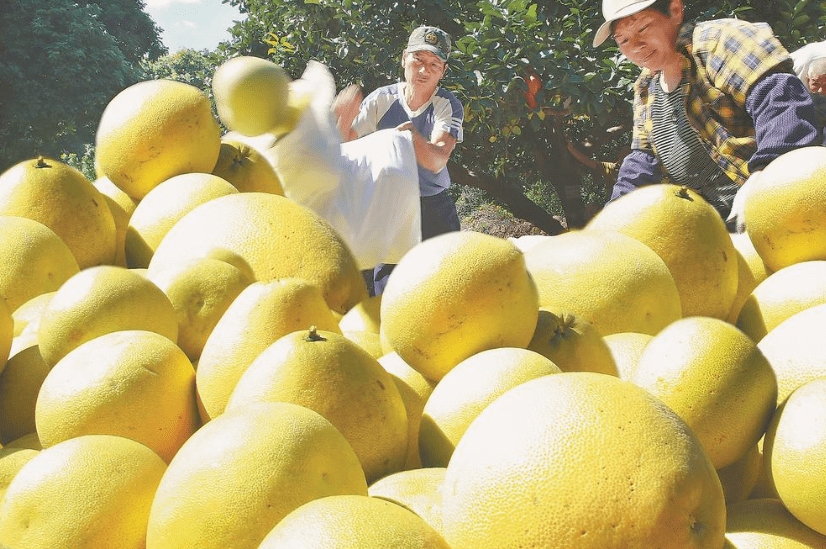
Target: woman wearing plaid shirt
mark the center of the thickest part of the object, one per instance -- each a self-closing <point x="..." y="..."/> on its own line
<point x="715" y="102"/>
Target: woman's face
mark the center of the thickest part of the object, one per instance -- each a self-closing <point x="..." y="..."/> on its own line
<point x="648" y="38"/>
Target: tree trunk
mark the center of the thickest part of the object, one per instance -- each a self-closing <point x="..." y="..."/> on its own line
<point x="515" y="200"/>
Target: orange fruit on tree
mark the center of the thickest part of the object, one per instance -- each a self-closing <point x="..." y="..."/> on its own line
<point x="783" y="217"/>
<point x="154" y="130"/>
<point x="570" y="271"/>
<point x="60" y="197"/>
<point x="688" y="234"/>
<point x="578" y="460"/>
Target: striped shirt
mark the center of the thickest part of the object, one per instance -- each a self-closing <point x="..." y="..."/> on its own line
<point x="681" y="153"/>
<point x="386" y="108"/>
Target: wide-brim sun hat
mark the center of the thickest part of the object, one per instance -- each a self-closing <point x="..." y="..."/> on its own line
<point x="614" y="10"/>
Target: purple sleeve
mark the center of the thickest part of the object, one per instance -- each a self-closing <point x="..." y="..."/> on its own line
<point x="638" y="168"/>
<point x="784" y="117"/>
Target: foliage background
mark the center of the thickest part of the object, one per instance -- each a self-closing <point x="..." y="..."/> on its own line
<point x="62" y="61"/>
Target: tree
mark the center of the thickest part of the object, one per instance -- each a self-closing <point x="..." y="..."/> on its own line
<point x="570" y="141"/>
<point x="60" y="63"/>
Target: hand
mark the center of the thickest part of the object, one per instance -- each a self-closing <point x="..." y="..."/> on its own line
<point x="738" y="214"/>
<point x="346" y="107"/>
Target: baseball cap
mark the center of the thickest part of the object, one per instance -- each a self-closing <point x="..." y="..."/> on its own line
<point x="614" y="10"/>
<point x="432" y="39"/>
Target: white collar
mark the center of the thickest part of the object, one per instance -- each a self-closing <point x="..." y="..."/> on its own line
<point x="407" y="109"/>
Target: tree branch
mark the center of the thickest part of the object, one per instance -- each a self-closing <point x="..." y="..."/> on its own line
<point x="516" y="201"/>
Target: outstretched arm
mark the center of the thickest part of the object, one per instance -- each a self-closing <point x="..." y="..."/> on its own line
<point x="345" y="108"/>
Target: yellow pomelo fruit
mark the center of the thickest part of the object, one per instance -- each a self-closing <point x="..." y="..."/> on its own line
<point x="626" y="348"/>
<point x="133" y="383"/>
<point x="415" y="389"/>
<point x="35" y="260"/>
<point x="233" y="259"/>
<point x="469" y="388"/>
<point x="571" y="343"/>
<point x="27" y="316"/>
<point x="200" y="290"/>
<point x="528" y="241"/>
<point x="164" y="206"/>
<point x="364" y="317"/>
<point x="6" y="333"/>
<point x="30" y="441"/>
<point x="90" y="491"/>
<point x="246" y="168"/>
<point x="369" y="341"/>
<point x="241" y="473"/>
<point x="746" y="284"/>
<point x="122" y="206"/>
<point x="767" y="524"/>
<point x="688" y="234"/>
<point x="277" y="237"/>
<point x="154" y="130"/>
<point x="19" y="386"/>
<point x="794" y="453"/>
<point x="581" y="460"/>
<point x="420" y="490"/>
<point x="796" y="349"/>
<point x="716" y="379"/>
<point x="571" y="270"/>
<point x="784" y="219"/>
<point x="250" y="94"/>
<point x="11" y="461"/>
<point x="262" y="313"/>
<point x="742" y="243"/>
<point x="353" y="521"/>
<point x="740" y="477"/>
<point x="100" y="300"/>
<point x="333" y="376"/>
<point x="455" y="295"/>
<point x="783" y="293"/>
<point x="60" y="197"/>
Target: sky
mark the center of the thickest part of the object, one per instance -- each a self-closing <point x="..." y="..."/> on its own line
<point x="193" y="24"/>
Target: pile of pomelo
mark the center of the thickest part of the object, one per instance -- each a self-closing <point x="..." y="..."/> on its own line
<point x="191" y="359"/>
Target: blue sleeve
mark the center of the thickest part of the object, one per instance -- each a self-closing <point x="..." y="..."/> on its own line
<point x="784" y="117"/>
<point x="639" y="168"/>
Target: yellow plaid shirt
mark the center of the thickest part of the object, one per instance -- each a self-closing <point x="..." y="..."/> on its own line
<point x="723" y="59"/>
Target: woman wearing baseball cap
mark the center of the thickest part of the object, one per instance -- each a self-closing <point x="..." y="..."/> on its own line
<point x="715" y="102"/>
